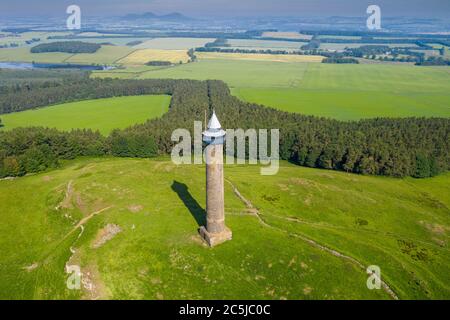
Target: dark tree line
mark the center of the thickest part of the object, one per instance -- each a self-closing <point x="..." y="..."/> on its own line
<point x="314" y="44"/>
<point x="219" y="42"/>
<point x="159" y="63"/>
<point x="191" y="54"/>
<point x="394" y="147"/>
<point x="11" y="79"/>
<point x="240" y="50"/>
<point x="66" y="46"/>
<point x="40" y="95"/>
<point x="434" y="61"/>
<point x="370" y="34"/>
<point x="340" y="60"/>
<point x="134" y="43"/>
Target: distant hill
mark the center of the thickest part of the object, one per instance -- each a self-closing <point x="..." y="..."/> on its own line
<point x="174" y="16"/>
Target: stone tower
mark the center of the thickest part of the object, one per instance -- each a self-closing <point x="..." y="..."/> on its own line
<point x="215" y="231"/>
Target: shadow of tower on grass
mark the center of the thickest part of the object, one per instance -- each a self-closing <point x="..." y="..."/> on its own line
<point x="195" y="209"/>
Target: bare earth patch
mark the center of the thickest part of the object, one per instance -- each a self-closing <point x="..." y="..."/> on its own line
<point x="94" y="288"/>
<point x="66" y="202"/>
<point x="135" y="208"/>
<point x="307" y="290"/>
<point x="308" y="200"/>
<point x="106" y="234"/>
<point x="435" y="228"/>
<point x="31" y="267"/>
<point x="302" y="182"/>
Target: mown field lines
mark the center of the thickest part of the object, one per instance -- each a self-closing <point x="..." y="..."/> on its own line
<point x="345" y="92"/>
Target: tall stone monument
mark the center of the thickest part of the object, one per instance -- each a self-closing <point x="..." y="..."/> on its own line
<point x="215" y="231"/>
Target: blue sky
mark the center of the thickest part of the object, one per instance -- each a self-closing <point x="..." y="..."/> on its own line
<point x="229" y="8"/>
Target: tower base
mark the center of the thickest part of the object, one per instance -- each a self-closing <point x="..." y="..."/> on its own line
<point x="214" y="239"/>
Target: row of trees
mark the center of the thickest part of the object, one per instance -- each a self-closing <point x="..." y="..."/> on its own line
<point x="339" y="60"/>
<point x="159" y="63"/>
<point x="431" y="37"/>
<point x="312" y="45"/>
<point x="393" y="147"/>
<point x="66" y="46"/>
<point x="41" y="95"/>
<point x="15" y="80"/>
<point x="434" y="61"/>
<point x="386" y="53"/>
<point x="254" y="51"/>
<point x="219" y="42"/>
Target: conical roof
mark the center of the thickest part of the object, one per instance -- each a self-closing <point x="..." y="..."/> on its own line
<point x="214" y="122"/>
<point x="214" y="129"/>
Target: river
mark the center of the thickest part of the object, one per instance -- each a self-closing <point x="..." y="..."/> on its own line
<point x="28" y="66"/>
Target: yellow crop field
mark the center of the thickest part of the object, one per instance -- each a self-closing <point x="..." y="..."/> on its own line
<point x="142" y="56"/>
<point x="259" y="57"/>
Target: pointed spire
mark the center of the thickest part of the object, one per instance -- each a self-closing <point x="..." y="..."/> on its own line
<point x="214" y="122"/>
<point x="214" y="131"/>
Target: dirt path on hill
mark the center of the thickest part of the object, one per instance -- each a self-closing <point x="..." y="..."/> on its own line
<point x="86" y="219"/>
<point x="311" y="242"/>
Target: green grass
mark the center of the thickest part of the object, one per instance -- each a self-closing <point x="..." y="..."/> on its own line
<point x="99" y="114"/>
<point x="173" y="43"/>
<point x="361" y="91"/>
<point x="345" y="92"/>
<point x="265" y="44"/>
<point x="20" y="39"/>
<point x="342" y="46"/>
<point x="105" y="55"/>
<point x="23" y="54"/>
<point x="159" y="255"/>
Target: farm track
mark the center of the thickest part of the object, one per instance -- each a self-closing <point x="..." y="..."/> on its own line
<point x="311" y="242"/>
<point x="117" y="60"/>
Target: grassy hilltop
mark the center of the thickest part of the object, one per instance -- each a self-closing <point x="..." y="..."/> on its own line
<point x="132" y="227"/>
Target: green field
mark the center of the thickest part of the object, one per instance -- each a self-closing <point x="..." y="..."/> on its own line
<point x="265" y="44"/>
<point x="21" y="38"/>
<point x="173" y="43"/>
<point x="100" y="114"/>
<point x="23" y="54"/>
<point x="345" y="92"/>
<point x="105" y="55"/>
<point x="342" y="46"/>
<point x="402" y="226"/>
